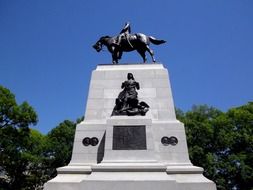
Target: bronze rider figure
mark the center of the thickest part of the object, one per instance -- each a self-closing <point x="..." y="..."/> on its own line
<point x="124" y="33"/>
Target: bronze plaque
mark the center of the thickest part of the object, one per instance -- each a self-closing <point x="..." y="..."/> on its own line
<point x="129" y="138"/>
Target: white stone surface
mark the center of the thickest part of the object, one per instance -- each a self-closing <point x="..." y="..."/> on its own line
<point x="106" y="83"/>
<point x="157" y="167"/>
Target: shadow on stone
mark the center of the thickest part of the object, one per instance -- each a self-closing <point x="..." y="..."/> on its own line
<point x="101" y="150"/>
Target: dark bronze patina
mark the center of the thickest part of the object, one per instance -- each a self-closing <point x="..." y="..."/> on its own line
<point x="129" y="138"/>
<point x="169" y="141"/>
<point x="126" y="42"/>
<point x="90" y="141"/>
<point x="127" y="102"/>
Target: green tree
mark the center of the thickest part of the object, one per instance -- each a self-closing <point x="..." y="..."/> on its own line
<point x="240" y="154"/>
<point x="37" y="167"/>
<point x="200" y="136"/>
<point x="222" y="144"/>
<point x="60" y="144"/>
<point x="14" y="137"/>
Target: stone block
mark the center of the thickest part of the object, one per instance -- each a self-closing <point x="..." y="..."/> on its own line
<point x="161" y="73"/>
<point x="111" y="93"/>
<point x="98" y="75"/>
<point x="160" y="82"/>
<point x="109" y="103"/>
<point x="147" y="93"/>
<point x="97" y="93"/>
<point x="110" y="74"/>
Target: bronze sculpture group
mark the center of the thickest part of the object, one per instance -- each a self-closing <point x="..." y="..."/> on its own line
<point x="127" y="102"/>
<point x="126" y="42"/>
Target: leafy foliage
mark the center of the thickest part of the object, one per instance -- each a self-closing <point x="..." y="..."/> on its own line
<point x="14" y="115"/>
<point x="14" y="140"/>
<point x="222" y="143"/>
<point x="60" y="144"/>
<point x="28" y="158"/>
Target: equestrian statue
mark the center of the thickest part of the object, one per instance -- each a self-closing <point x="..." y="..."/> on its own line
<point x="126" y="42"/>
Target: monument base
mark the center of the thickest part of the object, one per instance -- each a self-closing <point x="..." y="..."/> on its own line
<point x="144" y="164"/>
<point x="130" y="177"/>
<point x="130" y="152"/>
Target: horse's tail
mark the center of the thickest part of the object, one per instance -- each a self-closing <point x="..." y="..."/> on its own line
<point x="156" y="41"/>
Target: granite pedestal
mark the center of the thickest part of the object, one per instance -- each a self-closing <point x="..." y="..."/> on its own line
<point x="130" y="152"/>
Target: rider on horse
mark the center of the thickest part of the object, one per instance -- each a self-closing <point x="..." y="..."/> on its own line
<point x="124" y="33"/>
<point x="126" y="42"/>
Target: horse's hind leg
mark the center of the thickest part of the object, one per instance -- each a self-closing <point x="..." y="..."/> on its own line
<point x="143" y="55"/>
<point x="151" y="52"/>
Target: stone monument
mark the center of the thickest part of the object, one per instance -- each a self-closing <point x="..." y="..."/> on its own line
<point x="130" y="138"/>
<point x="133" y="146"/>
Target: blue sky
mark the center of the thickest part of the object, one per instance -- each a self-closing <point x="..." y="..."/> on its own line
<point x="46" y="56"/>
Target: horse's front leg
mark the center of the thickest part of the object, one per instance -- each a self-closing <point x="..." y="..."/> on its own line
<point x="114" y="59"/>
<point x="120" y="54"/>
<point x="117" y="56"/>
<point x="114" y="55"/>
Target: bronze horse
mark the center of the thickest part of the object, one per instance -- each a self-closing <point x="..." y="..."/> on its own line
<point x="139" y="42"/>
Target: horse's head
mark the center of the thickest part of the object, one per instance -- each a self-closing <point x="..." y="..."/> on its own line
<point x="102" y="41"/>
<point x="98" y="46"/>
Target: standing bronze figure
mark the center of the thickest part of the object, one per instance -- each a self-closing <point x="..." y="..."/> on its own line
<point x="126" y="42"/>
